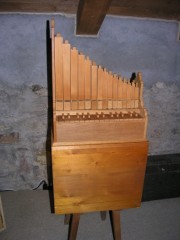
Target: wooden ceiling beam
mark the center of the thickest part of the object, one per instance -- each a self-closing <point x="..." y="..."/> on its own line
<point x="39" y="6"/>
<point x="92" y="12"/>
<point x="159" y="9"/>
<point x="90" y="15"/>
<point x="162" y="9"/>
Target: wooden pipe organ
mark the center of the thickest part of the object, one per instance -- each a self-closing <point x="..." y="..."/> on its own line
<point x="99" y="145"/>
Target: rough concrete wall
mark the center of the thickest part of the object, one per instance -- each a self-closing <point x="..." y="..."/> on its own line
<point x="163" y="104"/>
<point x="123" y="46"/>
<point x="23" y="130"/>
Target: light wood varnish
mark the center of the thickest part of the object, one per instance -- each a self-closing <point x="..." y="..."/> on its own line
<point x="99" y="144"/>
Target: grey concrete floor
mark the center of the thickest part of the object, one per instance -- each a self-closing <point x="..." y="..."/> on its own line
<point x="28" y="217"/>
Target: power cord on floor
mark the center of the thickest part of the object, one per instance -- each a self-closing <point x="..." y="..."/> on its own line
<point x="40" y="183"/>
<point x="44" y="187"/>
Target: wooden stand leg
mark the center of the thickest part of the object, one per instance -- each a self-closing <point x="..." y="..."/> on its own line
<point x="116" y="228"/>
<point x="73" y="228"/>
<point x="67" y="219"/>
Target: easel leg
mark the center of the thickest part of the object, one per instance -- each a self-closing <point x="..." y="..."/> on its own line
<point x="67" y="219"/>
<point x="116" y="228"/>
<point x="73" y="228"/>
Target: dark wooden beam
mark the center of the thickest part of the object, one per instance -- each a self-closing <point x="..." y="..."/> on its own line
<point x="90" y="16"/>
<point x="160" y="9"/>
<point x="39" y="6"/>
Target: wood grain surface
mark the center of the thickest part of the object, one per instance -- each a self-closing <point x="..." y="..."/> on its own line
<point x="98" y="177"/>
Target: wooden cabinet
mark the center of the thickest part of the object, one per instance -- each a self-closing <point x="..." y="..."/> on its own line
<point x="98" y="177"/>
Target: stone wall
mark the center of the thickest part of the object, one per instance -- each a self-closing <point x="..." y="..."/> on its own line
<point x="23" y="138"/>
<point x="123" y="46"/>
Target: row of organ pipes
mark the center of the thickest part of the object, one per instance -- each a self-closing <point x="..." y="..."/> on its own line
<point x="83" y="90"/>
